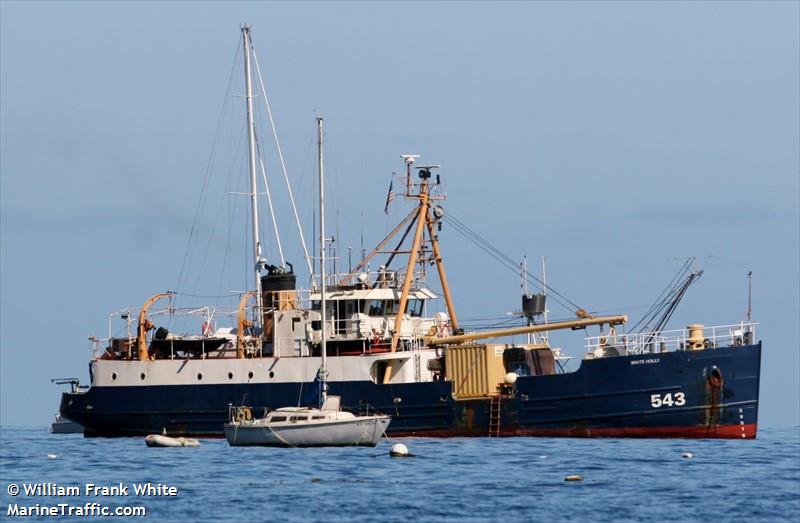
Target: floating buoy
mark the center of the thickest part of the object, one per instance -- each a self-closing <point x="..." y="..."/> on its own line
<point x="52" y="456"/>
<point x="399" y="451"/>
<point x="687" y="455"/>
<point x="159" y="440"/>
<point x="511" y="378"/>
<point x="574" y="477"/>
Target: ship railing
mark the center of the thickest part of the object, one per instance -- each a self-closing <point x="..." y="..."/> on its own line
<point x="359" y="325"/>
<point x="303" y="298"/>
<point x="377" y="329"/>
<point x="117" y="342"/>
<point x="97" y="346"/>
<point x="380" y="278"/>
<point x="130" y="315"/>
<point x="694" y="337"/>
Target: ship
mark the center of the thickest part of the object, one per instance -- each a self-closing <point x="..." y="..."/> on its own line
<point x="387" y="353"/>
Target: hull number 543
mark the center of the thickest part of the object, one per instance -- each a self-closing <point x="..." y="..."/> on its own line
<point x="669" y="399"/>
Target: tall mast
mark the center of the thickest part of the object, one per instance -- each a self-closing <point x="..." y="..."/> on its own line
<point x="323" y="369"/>
<point x="251" y="146"/>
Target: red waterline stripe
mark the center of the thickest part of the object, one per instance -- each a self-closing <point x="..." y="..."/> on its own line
<point x="721" y="432"/>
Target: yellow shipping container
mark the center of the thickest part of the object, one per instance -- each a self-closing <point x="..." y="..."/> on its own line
<point x="475" y="370"/>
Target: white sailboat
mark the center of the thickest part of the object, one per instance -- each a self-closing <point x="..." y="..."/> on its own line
<point x="302" y="426"/>
<point x="305" y="427"/>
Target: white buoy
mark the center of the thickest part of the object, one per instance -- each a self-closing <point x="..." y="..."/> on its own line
<point x="399" y="451"/>
<point x="52" y="456"/>
<point x="687" y="455"/>
<point x="511" y="378"/>
<point x="574" y="477"/>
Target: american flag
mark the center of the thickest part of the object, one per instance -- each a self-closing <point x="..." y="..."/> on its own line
<point x="389" y="196"/>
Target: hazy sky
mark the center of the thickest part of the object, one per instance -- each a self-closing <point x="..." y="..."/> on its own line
<point x="615" y="139"/>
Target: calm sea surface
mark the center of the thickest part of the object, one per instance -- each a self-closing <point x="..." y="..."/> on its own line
<point x="512" y="479"/>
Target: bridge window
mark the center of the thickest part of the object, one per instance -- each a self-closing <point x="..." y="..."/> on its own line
<point x="375" y="308"/>
<point x="414" y="307"/>
<point x="391" y="307"/>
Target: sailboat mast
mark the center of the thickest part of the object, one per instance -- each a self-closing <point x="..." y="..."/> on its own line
<point x="323" y="368"/>
<point x="251" y="146"/>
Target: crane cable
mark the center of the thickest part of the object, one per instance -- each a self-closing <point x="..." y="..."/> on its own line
<point x="505" y="260"/>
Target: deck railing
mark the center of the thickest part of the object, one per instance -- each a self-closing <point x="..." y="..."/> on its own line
<point x="673" y="340"/>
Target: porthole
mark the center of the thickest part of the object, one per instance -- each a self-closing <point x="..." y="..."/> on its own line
<point x="113" y="375"/>
<point x="250" y="375"/>
<point x="199" y="375"/>
<point x="271" y="374"/>
<point x="142" y="376"/>
<point x="230" y="375"/>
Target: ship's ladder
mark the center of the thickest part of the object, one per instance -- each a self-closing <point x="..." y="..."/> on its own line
<point x="494" y="416"/>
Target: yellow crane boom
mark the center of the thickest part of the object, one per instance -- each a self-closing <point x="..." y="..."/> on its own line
<point x="145" y="325"/>
<point x="498" y="333"/>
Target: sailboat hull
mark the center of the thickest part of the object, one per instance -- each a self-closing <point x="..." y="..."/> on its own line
<point x="364" y="431"/>
<point x="607" y="397"/>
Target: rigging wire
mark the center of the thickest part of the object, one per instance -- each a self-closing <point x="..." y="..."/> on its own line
<point x="210" y="241"/>
<point x="658" y="304"/>
<point x="280" y="157"/>
<point x="662" y="310"/>
<point x="204" y="296"/>
<point x="505" y="260"/>
<point x="306" y="184"/>
<point x="673" y="304"/>
<point x="481" y="326"/>
<point x="269" y="201"/>
<point x="390" y="259"/>
<point x="228" y="238"/>
<point x="210" y="163"/>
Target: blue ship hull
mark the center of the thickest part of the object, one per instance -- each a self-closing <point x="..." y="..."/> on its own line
<point x="710" y="393"/>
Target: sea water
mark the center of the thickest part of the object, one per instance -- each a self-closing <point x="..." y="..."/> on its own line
<point x="458" y="479"/>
